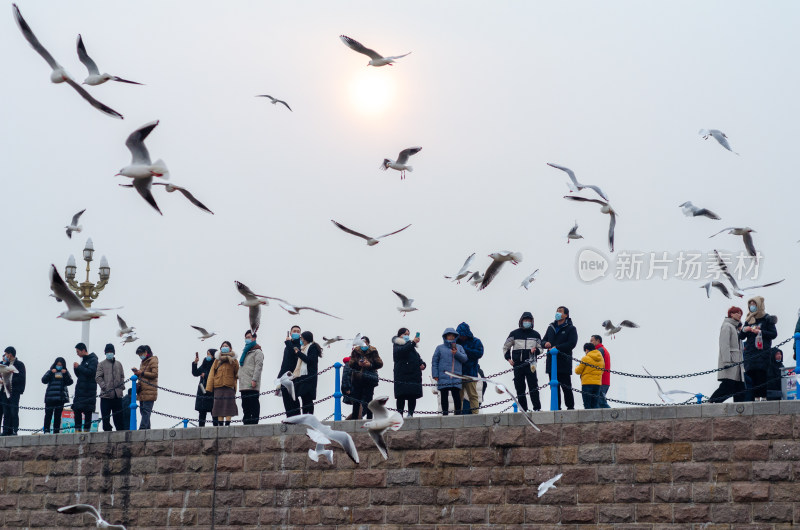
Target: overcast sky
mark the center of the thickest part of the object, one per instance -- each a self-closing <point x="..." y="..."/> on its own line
<point x="492" y="92"/>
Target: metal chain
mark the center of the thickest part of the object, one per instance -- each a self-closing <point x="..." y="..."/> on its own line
<point x="62" y="406"/>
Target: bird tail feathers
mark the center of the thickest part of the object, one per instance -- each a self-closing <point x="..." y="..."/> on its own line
<point x="409" y="168"/>
<point x="159" y="166"/>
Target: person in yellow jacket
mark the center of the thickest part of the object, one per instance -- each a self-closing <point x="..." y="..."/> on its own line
<point x="591" y="371"/>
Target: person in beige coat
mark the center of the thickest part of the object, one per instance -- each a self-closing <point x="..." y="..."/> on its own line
<point x="110" y="377"/>
<point x="730" y="351"/>
<point x="147" y="385"/>
<point x="250" y="365"/>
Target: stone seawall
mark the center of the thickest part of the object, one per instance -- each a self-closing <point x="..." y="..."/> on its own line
<point x="732" y="465"/>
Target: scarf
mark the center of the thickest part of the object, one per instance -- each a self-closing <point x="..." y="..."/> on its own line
<point x="759" y="313"/>
<point x="247" y="348"/>
<point x="301" y="368"/>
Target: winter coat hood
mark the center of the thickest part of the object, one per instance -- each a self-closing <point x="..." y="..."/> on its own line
<point x="526" y="315"/>
<point x="399" y="341"/>
<point x="463" y="331"/>
<point x="447" y="332"/>
<point x="589" y="374"/>
<point x="760" y="309"/>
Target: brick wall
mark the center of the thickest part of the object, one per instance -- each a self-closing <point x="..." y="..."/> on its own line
<point x="732" y="465"/>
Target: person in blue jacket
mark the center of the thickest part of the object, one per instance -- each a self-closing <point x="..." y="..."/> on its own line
<point x="448" y="357"/>
<point x="473" y="347"/>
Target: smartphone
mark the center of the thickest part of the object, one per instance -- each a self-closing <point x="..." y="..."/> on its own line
<point x="417" y="335"/>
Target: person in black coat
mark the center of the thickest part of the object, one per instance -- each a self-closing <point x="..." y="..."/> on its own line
<point x="57" y="379"/>
<point x="408" y="367"/>
<point x="562" y="336"/>
<point x="288" y="364"/>
<point x="85" y="400"/>
<point x="774" y="373"/>
<point x="305" y="382"/>
<point x="11" y="407"/>
<point x="204" y="402"/>
<point x="757" y="359"/>
<point x="520" y="349"/>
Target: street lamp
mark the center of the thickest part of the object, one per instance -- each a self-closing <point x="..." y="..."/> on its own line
<point x="87" y="291"/>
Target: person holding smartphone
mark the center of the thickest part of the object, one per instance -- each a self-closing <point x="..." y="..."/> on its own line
<point x="448" y="357"/>
<point x="365" y="363"/>
<point x="291" y="346"/>
<point x="147" y="385"/>
<point x="408" y="368"/>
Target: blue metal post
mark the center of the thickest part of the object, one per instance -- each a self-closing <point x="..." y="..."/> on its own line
<point x="699" y="397"/>
<point x="337" y="394"/>
<point x="515" y="407"/>
<point x="185" y="423"/>
<point x="553" y="353"/>
<point x="134" y="405"/>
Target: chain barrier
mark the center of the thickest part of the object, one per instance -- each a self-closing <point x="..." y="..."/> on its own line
<point x="121" y="385"/>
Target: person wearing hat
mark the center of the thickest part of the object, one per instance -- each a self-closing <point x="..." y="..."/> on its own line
<point x="364" y="363"/>
<point x="448" y="357"/>
<point x="110" y="377"/>
<point x="84" y="403"/>
<point x="57" y="379"/>
<point x="11" y="406"/>
<point x="758" y="333"/>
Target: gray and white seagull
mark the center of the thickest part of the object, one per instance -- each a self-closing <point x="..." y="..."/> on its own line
<point x="738" y="291"/>
<point x="401" y="163"/>
<point x="605" y="208"/>
<point x="73" y="225"/>
<point x="406" y="303"/>
<point x="141" y="169"/>
<point x="375" y="58"/>
<point x="690" y="210"/>
<point x="254" y="302"/>
<point x="340" y="437"/>
<point x="498" y="260"/>
<point x="95" y="77"/>
<point x="745" y="232"/>
<point x="719" y="136"/>
<point x="371" y="241"/>
<point x="275" y="101"/>
<point x="79" y="509"/>
<point x="464" y="271"/>
<point x="574" y="185"/>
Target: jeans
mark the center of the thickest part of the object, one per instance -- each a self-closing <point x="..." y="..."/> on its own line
<point x="52" y="412"/>
<point x="112" y="407"/>
<point x="523" y="374"/>
<point x="145" y="408"/>
<point x="83" y="420"/>
<point x="603" y="404"/>
<point x="456" y="393"/>
<point x="251" y="407"/>
<point x="591" y="396"/>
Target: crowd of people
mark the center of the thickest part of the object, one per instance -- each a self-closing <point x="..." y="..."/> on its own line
<point x="749" y="370"/>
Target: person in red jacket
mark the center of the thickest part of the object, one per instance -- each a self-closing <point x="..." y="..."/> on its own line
<point x="597" y="342"/>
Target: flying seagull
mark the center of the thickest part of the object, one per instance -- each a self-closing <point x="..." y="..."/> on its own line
<point x="573" y="233"/>
<point x="124" y="328"/>
<point x="406" y="303"/>
<point x="548" y="484"/>
<point x="275" y="100"/>
<point x="717" y="285"/>
<point x="327" y="342"/>
<point x="58" y="75"/>
<point x="285" y="380"/>
<point x="319" y="451"/>
<point x="665" y="395"/>
<point x="500" y="388"/>
<point x="400" y="164"/>
<point x="604" y="208"/>
<point x="76" y="311"/>
<point x="203" y="333"/>
<point x="574" y="185"/>
<point x="371" y="241"/>
<point x="476" y="279"/>
<point x="95" y="77"/>
<point x="745" y="232"/>
<point x="740" y="292"/>
<point x="141" y="170"/>
<point x="358" y="341"/>
<point x="341" y="438"/>
<point x="186" y="193"/>
<point x="382" y="420"/>
<point x="529" y="279"/>
<point x="254" y="302"/>
<point x="73" y="226"/>
<point x="719" y="136"/>
<point x="498" y="260"/>
<point x="463" y="272"/>
<point x="690" y="210"/>
<point x="7" y="373"/>
<point x="129" y="338"/>
<point x="295" y="309"/>
<point x="375" y="59"/>
<point x="612" y="330"/>
<point x="78" y="509"/>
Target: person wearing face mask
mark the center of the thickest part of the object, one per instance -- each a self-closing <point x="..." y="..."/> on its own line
<point x="84" y="402"/>
<point x="57" y="379"/>
<point x="11" y="406"/>
<point x="305" y="372"/>
<point x="204" y="402"/>
<point x="365" y="363"/>
<point x="731" y="379"/>
<point x="250" y="365"/>
<point x="520" y="350"/>
<point x="756" y="350"/>
<point x="408" y="367"/>
<point x="562" y="336"/>
<point x="222" y="381"/>
<point x="774" y="374"/>
<point x="147" y="385"/>
<point x="110" y="378"/>
<point x="291" y="346"/>
<point x="448" y="357"/>
<point x="473" y="347"/>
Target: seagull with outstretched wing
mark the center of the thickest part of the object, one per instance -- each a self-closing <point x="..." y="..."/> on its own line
<point x="371" y="241"/>
<point x="573" y="233"/>
<point x="76" y="311"/>
<point x="375" y="58"/>
<point x="612" y="330"/>
<point x="275" y="101"/>
<point x="340" y="437"/>
<point x="548" y="485"/>
<point x="690" y="210"/>
<point x="382" y="420"/>
<point x="498" y="260"/>
<point x="406" y="303"/>
<point x="464" y="271"/>
<point x="293" y="309"/>
<point x="719" y="136"/>
<point x="716" y="285"/>
<point x="575" y="186"/>
<point x="124" y="328"/>
<point x="95" y="77"/>
<point x="529" y="279"/>
<point x="203" y="333"/>
<point x="254" y="302"/>
<point x="747" y="237"/>
<point x="665" y="396"/>
<point x="79" y="509"/>
<point x="73" y="226"/>
<point x="401" y="164"/>
<point x="738" y="291"/>
<point x="605" y="208"/>
<point x="285" y="380"/>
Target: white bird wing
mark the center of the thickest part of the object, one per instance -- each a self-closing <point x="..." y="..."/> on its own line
<point x="285" y="104"/>
<point x="724" y="268"/>
<point x="578" y="198"/>
<point x="705" y="212"/>
<point x="85" y="59"/>
<point x="360" y="48"/>
<point x="723" y="230"/>
<point x="267" y="96"/>
<point x="608" y="325"/>
<point x="491" y="272"/>
<point x="660" y="390"/>
<point x="378" y="407"/>
<point x="341" y="438"/>
<point x="568" y="172"/>
<point x="612" y="223"/>
<point x="186" y="193"/>
<point x="546" y="485"/>
<point x="465" y="267"/>
<point x="80" y="509"/>
<point x="246" y="291"/>
<point x="403" y="299"/>
<point x="27" y="32"/>
<point x="135" y="143"/>
<point x="574" y="230"/>
<point x="318" y="437"/>
<point x="392" y="233"/>
<point x="628" y="324"/>
<point x="721" y="287"/>
<point x="358" y="341"/>
<point x="380" y="443"/>
<point x="402" y="158"/>
<point x="722" y="139"/>
<point x="351" y="231"/>
<point x="76" y="217"/>
<point x="300" y="308"/>
<point x="201" y="330"/>
<point x="62" y="291"/>
<point x="596" y="190"/>
<point x="143" y="187"/>
<point x="105" y="109"/>
<point x="393" y="57"/>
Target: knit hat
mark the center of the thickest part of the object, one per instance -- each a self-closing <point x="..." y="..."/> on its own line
<point x="109" y="348"/>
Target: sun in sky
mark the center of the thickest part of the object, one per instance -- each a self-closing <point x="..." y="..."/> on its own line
<point x="372" y="91"/>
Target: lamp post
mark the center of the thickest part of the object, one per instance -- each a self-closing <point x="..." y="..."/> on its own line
<point x="87" y="291"/>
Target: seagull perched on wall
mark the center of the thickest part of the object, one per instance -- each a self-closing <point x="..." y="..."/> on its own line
<point x="58" y="75"/>
<point x="73" y="226"/>
<point x="719" y="136"/>
<point x="78" y="509"/>
<point x="375" y="58"/>
<point x="498" y="260"/>
<point x="382" y="420"/>
<point x="275" y="100"/>
<point x="95" y="77"/>
<point x="371" y="241"/>
<point x="340" y="437"/>
<point x="401" y="163"/>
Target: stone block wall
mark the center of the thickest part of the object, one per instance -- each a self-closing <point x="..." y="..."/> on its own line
<point x="700" y="466"/>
